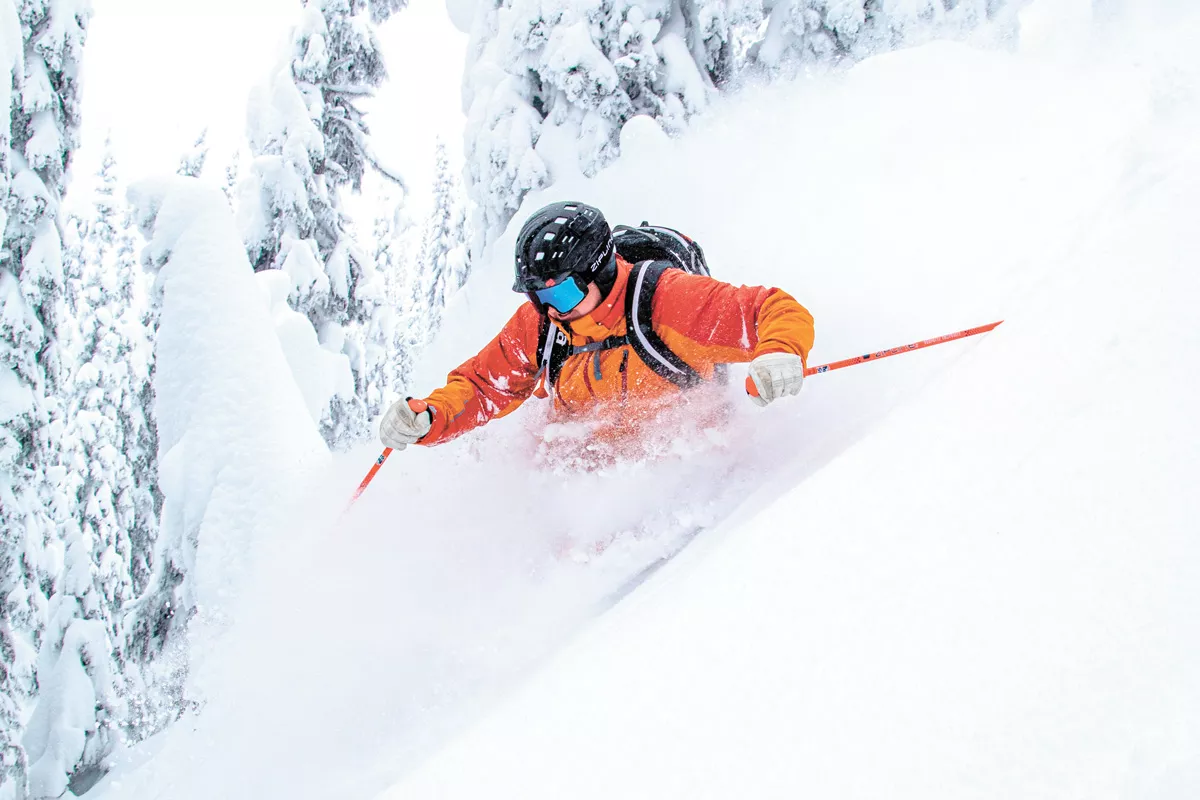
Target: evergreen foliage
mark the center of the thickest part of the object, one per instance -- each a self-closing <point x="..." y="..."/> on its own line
<point x="802" y="32"/>
<point x="108" y="521"/>
<point x="110" y="451"/>
<point x="310" y="140"/>
<point x="395" y="239"/>
<point x="550" y="84"/>
<point x="443" y="265"/>
<point x="41" y="44"/>
<point x="233" y="173"/>
<point x="191" y="164"/>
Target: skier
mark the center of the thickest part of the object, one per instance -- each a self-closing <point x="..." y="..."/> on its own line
<point x="610" y="342"/>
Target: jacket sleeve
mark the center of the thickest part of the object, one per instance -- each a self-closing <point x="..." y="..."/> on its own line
<point x="490" y="384"/>
<point x="706" y="321"/>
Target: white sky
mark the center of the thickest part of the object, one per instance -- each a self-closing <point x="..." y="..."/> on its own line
<point x="157" y="72"/>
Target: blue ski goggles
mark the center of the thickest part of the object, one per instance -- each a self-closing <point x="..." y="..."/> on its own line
<point x="563" y="296"/>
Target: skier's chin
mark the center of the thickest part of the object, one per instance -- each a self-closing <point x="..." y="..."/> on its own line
<point x="570" y="316"/>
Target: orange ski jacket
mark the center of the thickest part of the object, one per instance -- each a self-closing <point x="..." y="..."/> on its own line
<point x="702" y="320"/>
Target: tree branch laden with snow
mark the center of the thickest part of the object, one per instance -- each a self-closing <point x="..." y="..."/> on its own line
<point x="310" y="142"/>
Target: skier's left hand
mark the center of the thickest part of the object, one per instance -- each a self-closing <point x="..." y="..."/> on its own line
<point x="405" y="423"/>
<point x="774" y="375"/>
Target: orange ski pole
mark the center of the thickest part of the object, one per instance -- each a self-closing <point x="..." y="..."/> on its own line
<point x="752" y="390"/>
<point x="362" y="487"/>
<point x="417" y="406"/>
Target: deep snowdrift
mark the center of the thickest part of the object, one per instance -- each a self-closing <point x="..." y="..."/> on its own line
<point x="957" y="573"/>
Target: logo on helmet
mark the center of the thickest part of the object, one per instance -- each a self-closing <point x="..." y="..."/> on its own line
<point x="600" y="259"/>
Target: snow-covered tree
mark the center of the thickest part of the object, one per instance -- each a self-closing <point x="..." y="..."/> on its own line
<point x="376" y="344"/>
<point x="110" y="464"/>
<point x="382" y="10"/>
<point x="549" y="85"/>
<point x="233" y="427"/>
<point x="801" y="32"/>
<point x="310" y="141"/>
<point x="397" y="240"/>
<point x="191" y="163"/>
<point x="41" y="43"/>
<point x="233" y="172"/>
<point x="443" y="263"/>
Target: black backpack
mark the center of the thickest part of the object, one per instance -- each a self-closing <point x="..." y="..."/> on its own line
<point x="652" y="250"/>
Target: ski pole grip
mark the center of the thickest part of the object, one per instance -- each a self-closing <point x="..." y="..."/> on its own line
<point x="751" y="389"/>
<point x="416" y="405"/>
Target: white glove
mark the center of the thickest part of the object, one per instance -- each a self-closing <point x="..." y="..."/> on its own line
<point x="404" y="423"/>
<point x="776" y="375"/>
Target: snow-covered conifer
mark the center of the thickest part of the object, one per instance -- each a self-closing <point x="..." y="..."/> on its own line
<point x="233" y="172"/>
<point x="396" y="245"/>
<point x="191" y="163"/>
<point x="803" y="32"/>
<point x="382" y="10"/>
<point x="549" y="85"/>
<point x="41" y="44"/>
<point x="310" y="141"/>
<point x="108" y="466"/>
<point x="443" y="262"/>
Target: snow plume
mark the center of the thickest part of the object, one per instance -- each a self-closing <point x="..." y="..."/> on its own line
<point x="549" y="85"/>
<point x="371" y="638"/>
<point x="234" y="429"/>
<point x="310" y="141"/>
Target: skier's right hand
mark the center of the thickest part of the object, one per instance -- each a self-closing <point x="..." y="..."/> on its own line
<point x="773" y="376"/>
<point x="405" y="422"/>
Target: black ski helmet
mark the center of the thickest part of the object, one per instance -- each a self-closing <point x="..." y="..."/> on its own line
<point x="562" y="240"/>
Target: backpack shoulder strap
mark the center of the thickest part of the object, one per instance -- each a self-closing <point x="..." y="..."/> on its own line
<point x="552" y="351"/>
<point x="639" y="305"/>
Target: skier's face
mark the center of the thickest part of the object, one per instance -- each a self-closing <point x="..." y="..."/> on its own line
<point x="586" y="306"/>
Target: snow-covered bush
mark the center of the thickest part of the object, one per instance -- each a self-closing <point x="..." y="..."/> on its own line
<point x="234" y="429"/>
<point x="309" y="141"/>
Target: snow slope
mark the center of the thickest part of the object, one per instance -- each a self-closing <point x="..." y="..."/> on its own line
<point x="993" y="593"/>
<point x="962" y="572"/>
